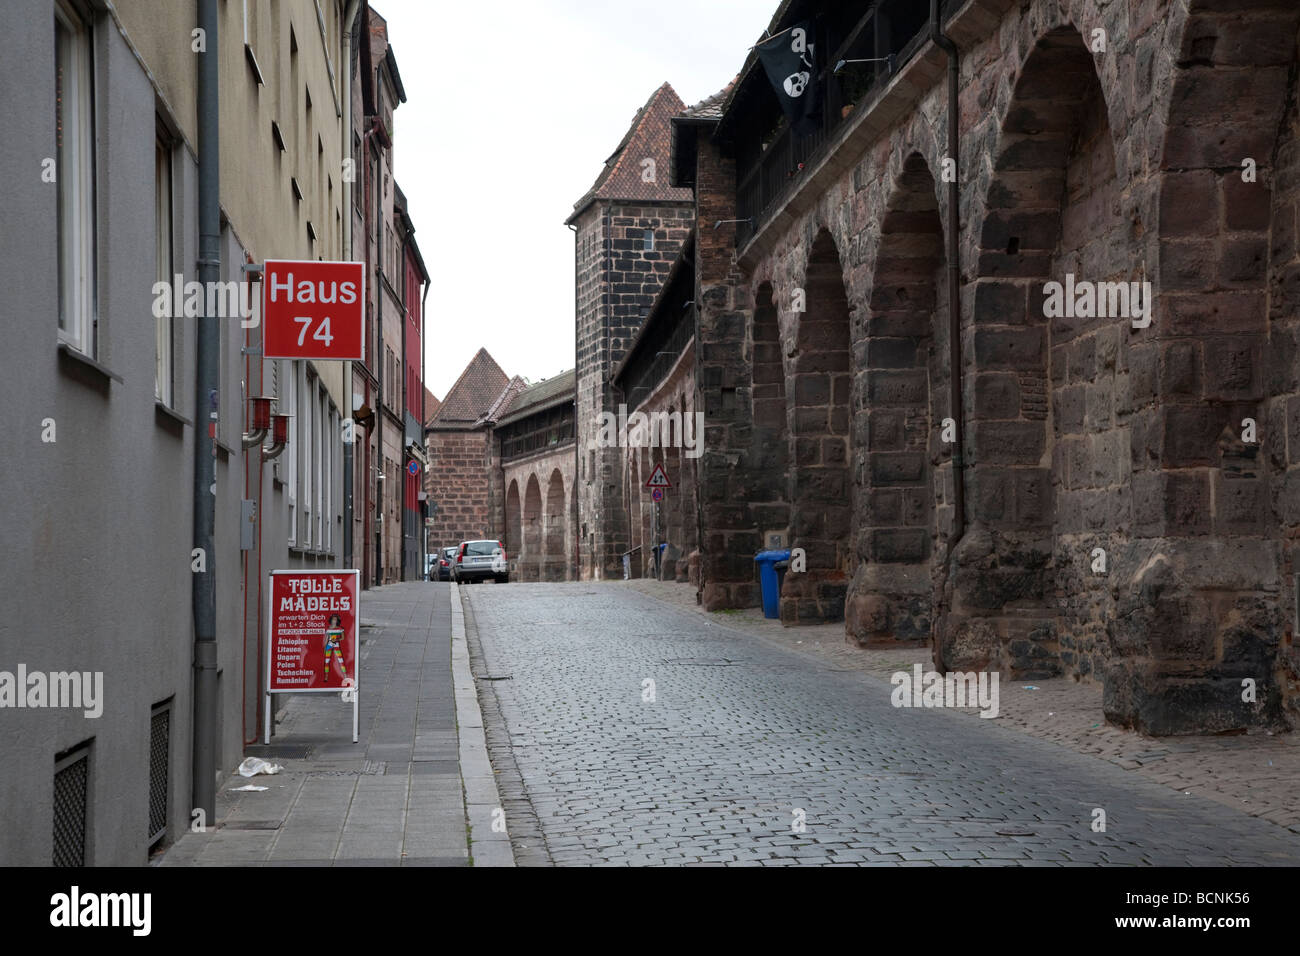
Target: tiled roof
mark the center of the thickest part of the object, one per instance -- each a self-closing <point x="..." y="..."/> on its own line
<point x="647" y="138"/>
<point x="475" y="393"/>
<point x="553" y="391"/>
<point x="711" y="106"/>
<point x="504" y="400"/>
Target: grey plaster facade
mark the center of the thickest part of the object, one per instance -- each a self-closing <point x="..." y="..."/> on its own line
<point x="97" y="556"/>
<point x="97" y="538"/>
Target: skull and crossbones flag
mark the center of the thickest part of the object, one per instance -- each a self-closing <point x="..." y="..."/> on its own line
<point x="791" y="65"/>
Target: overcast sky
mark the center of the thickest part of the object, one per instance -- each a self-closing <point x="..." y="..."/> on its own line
<point x="511" y="109"/>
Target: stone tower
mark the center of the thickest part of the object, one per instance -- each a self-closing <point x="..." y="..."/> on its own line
<point x="628" y="229"/>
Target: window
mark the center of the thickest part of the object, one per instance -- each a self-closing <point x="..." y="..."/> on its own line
<point x="160" y="738"/>
<point x="648" y="240"/>
<point x="387" y="383"/>
<point x="164" y="368"/>
<point x="320" y="460"/>
<point x="356" y="172"/>
<point x="71" y="799"/>
<point x="288" y="403"/>
<point x="75" y="169"/>
<point x="306" y="447"/>
<point x="250" y="41"/>
<point x="330" y="478"/>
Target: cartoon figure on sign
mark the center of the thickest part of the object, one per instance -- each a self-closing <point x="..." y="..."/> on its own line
<point x="333" y="645"/>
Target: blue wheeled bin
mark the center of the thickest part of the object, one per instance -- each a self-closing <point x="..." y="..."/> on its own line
<point x="770" y="580"/>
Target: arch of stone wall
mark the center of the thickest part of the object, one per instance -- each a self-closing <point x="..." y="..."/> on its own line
<point x="555" y="529"/>
<point x="770" y="459"/>
<point x="1045" y="410"/>
<point x="1212" y="588"/>
<point x="530" y="560"/>
<point x="684" y="495"/>
<point x="899" y="359"/>
<point x="646" y="458"/>
<point x="632" y="469"/>
<point x="818" y="387"/>
<point x="571" y="546"/>
<point x="514" y="523"/>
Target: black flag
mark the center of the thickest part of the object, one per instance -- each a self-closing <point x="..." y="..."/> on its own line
<point x="791" y="65"/>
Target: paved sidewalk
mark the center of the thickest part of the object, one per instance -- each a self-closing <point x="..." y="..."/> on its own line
<point x="394" y="798"/>
<point x="1258" y="774"/>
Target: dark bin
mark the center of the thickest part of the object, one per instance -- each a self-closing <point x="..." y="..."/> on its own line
<point x="770" y="580"/>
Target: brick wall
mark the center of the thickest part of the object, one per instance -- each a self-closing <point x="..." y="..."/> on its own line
<point x="461" y="486"/>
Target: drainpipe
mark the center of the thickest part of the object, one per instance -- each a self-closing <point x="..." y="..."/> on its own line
<point x="348" y="465"/>
<point x="207" y="383"/>
<point x="945" y="43"/>
<point x="575" y="509"/>
<point x="424" y="447"/>
<point x="380" y="490"/>
<point x="369" y="479"/>
<point x="401" y="277"/>
<point x="696" y="405"/>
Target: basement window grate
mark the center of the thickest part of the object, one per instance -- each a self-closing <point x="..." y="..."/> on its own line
<point x="71" y="784"/>
<point x="160" y="740"/>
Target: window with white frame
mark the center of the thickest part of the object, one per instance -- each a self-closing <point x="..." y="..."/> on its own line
<point x="305" y="407"/>
<point x="331" y="435"/>
<point x="288" y="405"/>
<point x="164" y="369"/>
<point x="336" y="469"/>
<point x="75" y="171"/>
<point x="319" y="461"/>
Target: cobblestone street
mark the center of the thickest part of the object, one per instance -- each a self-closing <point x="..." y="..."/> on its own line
<point x="744" y="739"/>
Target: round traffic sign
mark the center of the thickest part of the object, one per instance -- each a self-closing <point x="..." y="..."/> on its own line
<point x="657" y="494"/>
<point x="413" y="468"/>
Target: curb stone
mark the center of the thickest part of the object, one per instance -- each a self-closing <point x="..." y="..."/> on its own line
<point x="482" y="800"/>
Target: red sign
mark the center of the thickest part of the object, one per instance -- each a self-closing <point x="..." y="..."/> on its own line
<point x="658" y="478"/>
<point x="313" y="624"/>
<point x="313" y="310"/>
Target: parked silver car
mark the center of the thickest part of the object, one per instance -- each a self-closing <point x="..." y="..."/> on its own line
<point x="480" y="560"/>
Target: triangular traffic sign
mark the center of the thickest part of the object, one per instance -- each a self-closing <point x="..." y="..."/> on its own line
<point x="658" y="478"/>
